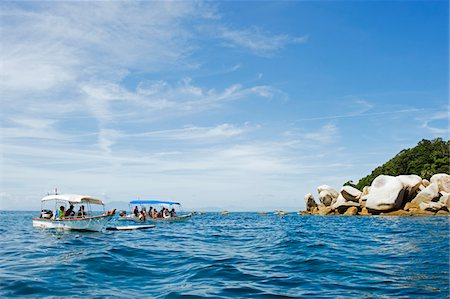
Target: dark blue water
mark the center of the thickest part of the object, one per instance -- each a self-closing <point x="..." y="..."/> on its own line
<point x="231" y="256"/>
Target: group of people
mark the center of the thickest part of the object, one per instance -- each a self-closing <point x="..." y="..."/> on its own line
<point x="153" y="213"/>
<point x="62" y="213"/>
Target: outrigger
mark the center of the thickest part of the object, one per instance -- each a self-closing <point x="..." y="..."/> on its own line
<point x="66" y="215"/>
<point x="137" y="216"/>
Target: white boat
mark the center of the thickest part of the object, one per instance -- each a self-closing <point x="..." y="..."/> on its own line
<point x="280" y="212"/>
<point x="82" y="220"/>
<point x="157" y="205"/>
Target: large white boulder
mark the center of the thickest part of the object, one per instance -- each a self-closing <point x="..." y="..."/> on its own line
<point x="327" y="195"/>
<point x="310" y="202"/>
<point x="442" y="180"/>
<point x="339" y="201"/>
<point x="431" y="206"/>
<point x="445" y="199"/>
<point x="386" y="193"/>
<point x="350" y="193"/>
<point x="365" y="191"/>
<point x="426" y="195"/>
<point x="326" y="198"/>
<point x="342" y="204"/>
<point x="364" y="194"/>
<point x="330" y="190"/>
<point x="411" y="184"/>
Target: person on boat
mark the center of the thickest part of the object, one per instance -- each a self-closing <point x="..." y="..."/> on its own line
<point x="60" y="213"/>
<point x="136" y="211"/>
<point x="81" y="212"/>
<point x="160" y="213"/>
<point x="69" y="212"/>
<point x="47" y="214"/>
<point x="155" y="213"/>
<point x="172" y="213"/>
<point x="143" y="215"/>
<point x="166" y="213"/>
<point x="150" y="211"/>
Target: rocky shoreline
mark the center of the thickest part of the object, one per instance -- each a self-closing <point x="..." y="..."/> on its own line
<point x="403" y="195"/>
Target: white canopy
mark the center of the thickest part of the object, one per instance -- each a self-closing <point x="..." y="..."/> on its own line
<point x="73" y="198"/>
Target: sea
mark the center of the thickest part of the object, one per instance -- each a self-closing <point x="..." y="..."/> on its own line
<point x="239" y="255"/>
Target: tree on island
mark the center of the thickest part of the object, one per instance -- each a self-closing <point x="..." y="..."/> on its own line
<point x="425" y="159"/>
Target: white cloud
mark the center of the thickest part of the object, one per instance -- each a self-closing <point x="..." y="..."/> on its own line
<point x="107" y="138"/>
<point x="257" y="40"/>
<point x="49" y="45"/>
<point x="214" y="173"/>
<point x="428" y="122"/>
<point x="32" y="128"/>
<point x="327" y="134"/>
<point x="196" y="133"/>
<point x="363" y="106"/>
<point x="235" y="67"/>
<point x="352" y="115"/>
<point x="68" y="113"/>
<point x="152" y="97"/>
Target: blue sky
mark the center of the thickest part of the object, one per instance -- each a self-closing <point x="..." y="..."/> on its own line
<point x="229" y="105"/>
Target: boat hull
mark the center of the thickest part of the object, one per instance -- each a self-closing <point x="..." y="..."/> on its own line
<point x="96" y="223"/>
<point x="130" y="227"/>
<point x="170" y="219"/>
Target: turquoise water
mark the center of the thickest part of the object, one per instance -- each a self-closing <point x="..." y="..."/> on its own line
<point x="240" y="255"/>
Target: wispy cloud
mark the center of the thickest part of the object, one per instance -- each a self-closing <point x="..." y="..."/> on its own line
<point x="428" y="122"/>
<point x="196" y="133"/>
<point x="127" y="98"/>
<point x="302" y="138"/>
<point x="257" y="40"/>
<point x="244" y="162"/>
<point x="351" y="115"/>
<point x="71" y="40"/>
<point x="59" y="62"/>
<point x="107" y="101"/>
<point x="326" y="134"/>
<point x="363" y="106"/>
<point x="31" y="128"/>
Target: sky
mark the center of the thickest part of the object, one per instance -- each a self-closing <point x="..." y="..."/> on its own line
<point x="244" y="106"/>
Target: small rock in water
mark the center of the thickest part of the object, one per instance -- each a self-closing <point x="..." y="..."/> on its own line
<point x="442" y="213"/>
<point x="396" y="213"/>
<point x="364" y="212"/>
<point x="351" y="211"/>
<point x="325" y="211"/>
<point x="419" y="212"/>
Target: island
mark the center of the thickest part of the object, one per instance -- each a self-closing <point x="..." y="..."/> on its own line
<point x="415" y="182"/>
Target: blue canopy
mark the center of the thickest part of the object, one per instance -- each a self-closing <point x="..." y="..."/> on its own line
<point x="153" y="202"/>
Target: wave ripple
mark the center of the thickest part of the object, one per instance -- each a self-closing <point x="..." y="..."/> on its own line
<point x="230" y="256"/>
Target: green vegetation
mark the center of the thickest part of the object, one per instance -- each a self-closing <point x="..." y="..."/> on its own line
<point x="425" y="159"/>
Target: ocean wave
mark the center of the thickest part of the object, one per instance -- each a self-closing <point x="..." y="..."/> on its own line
<point x="230" y="256"/>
